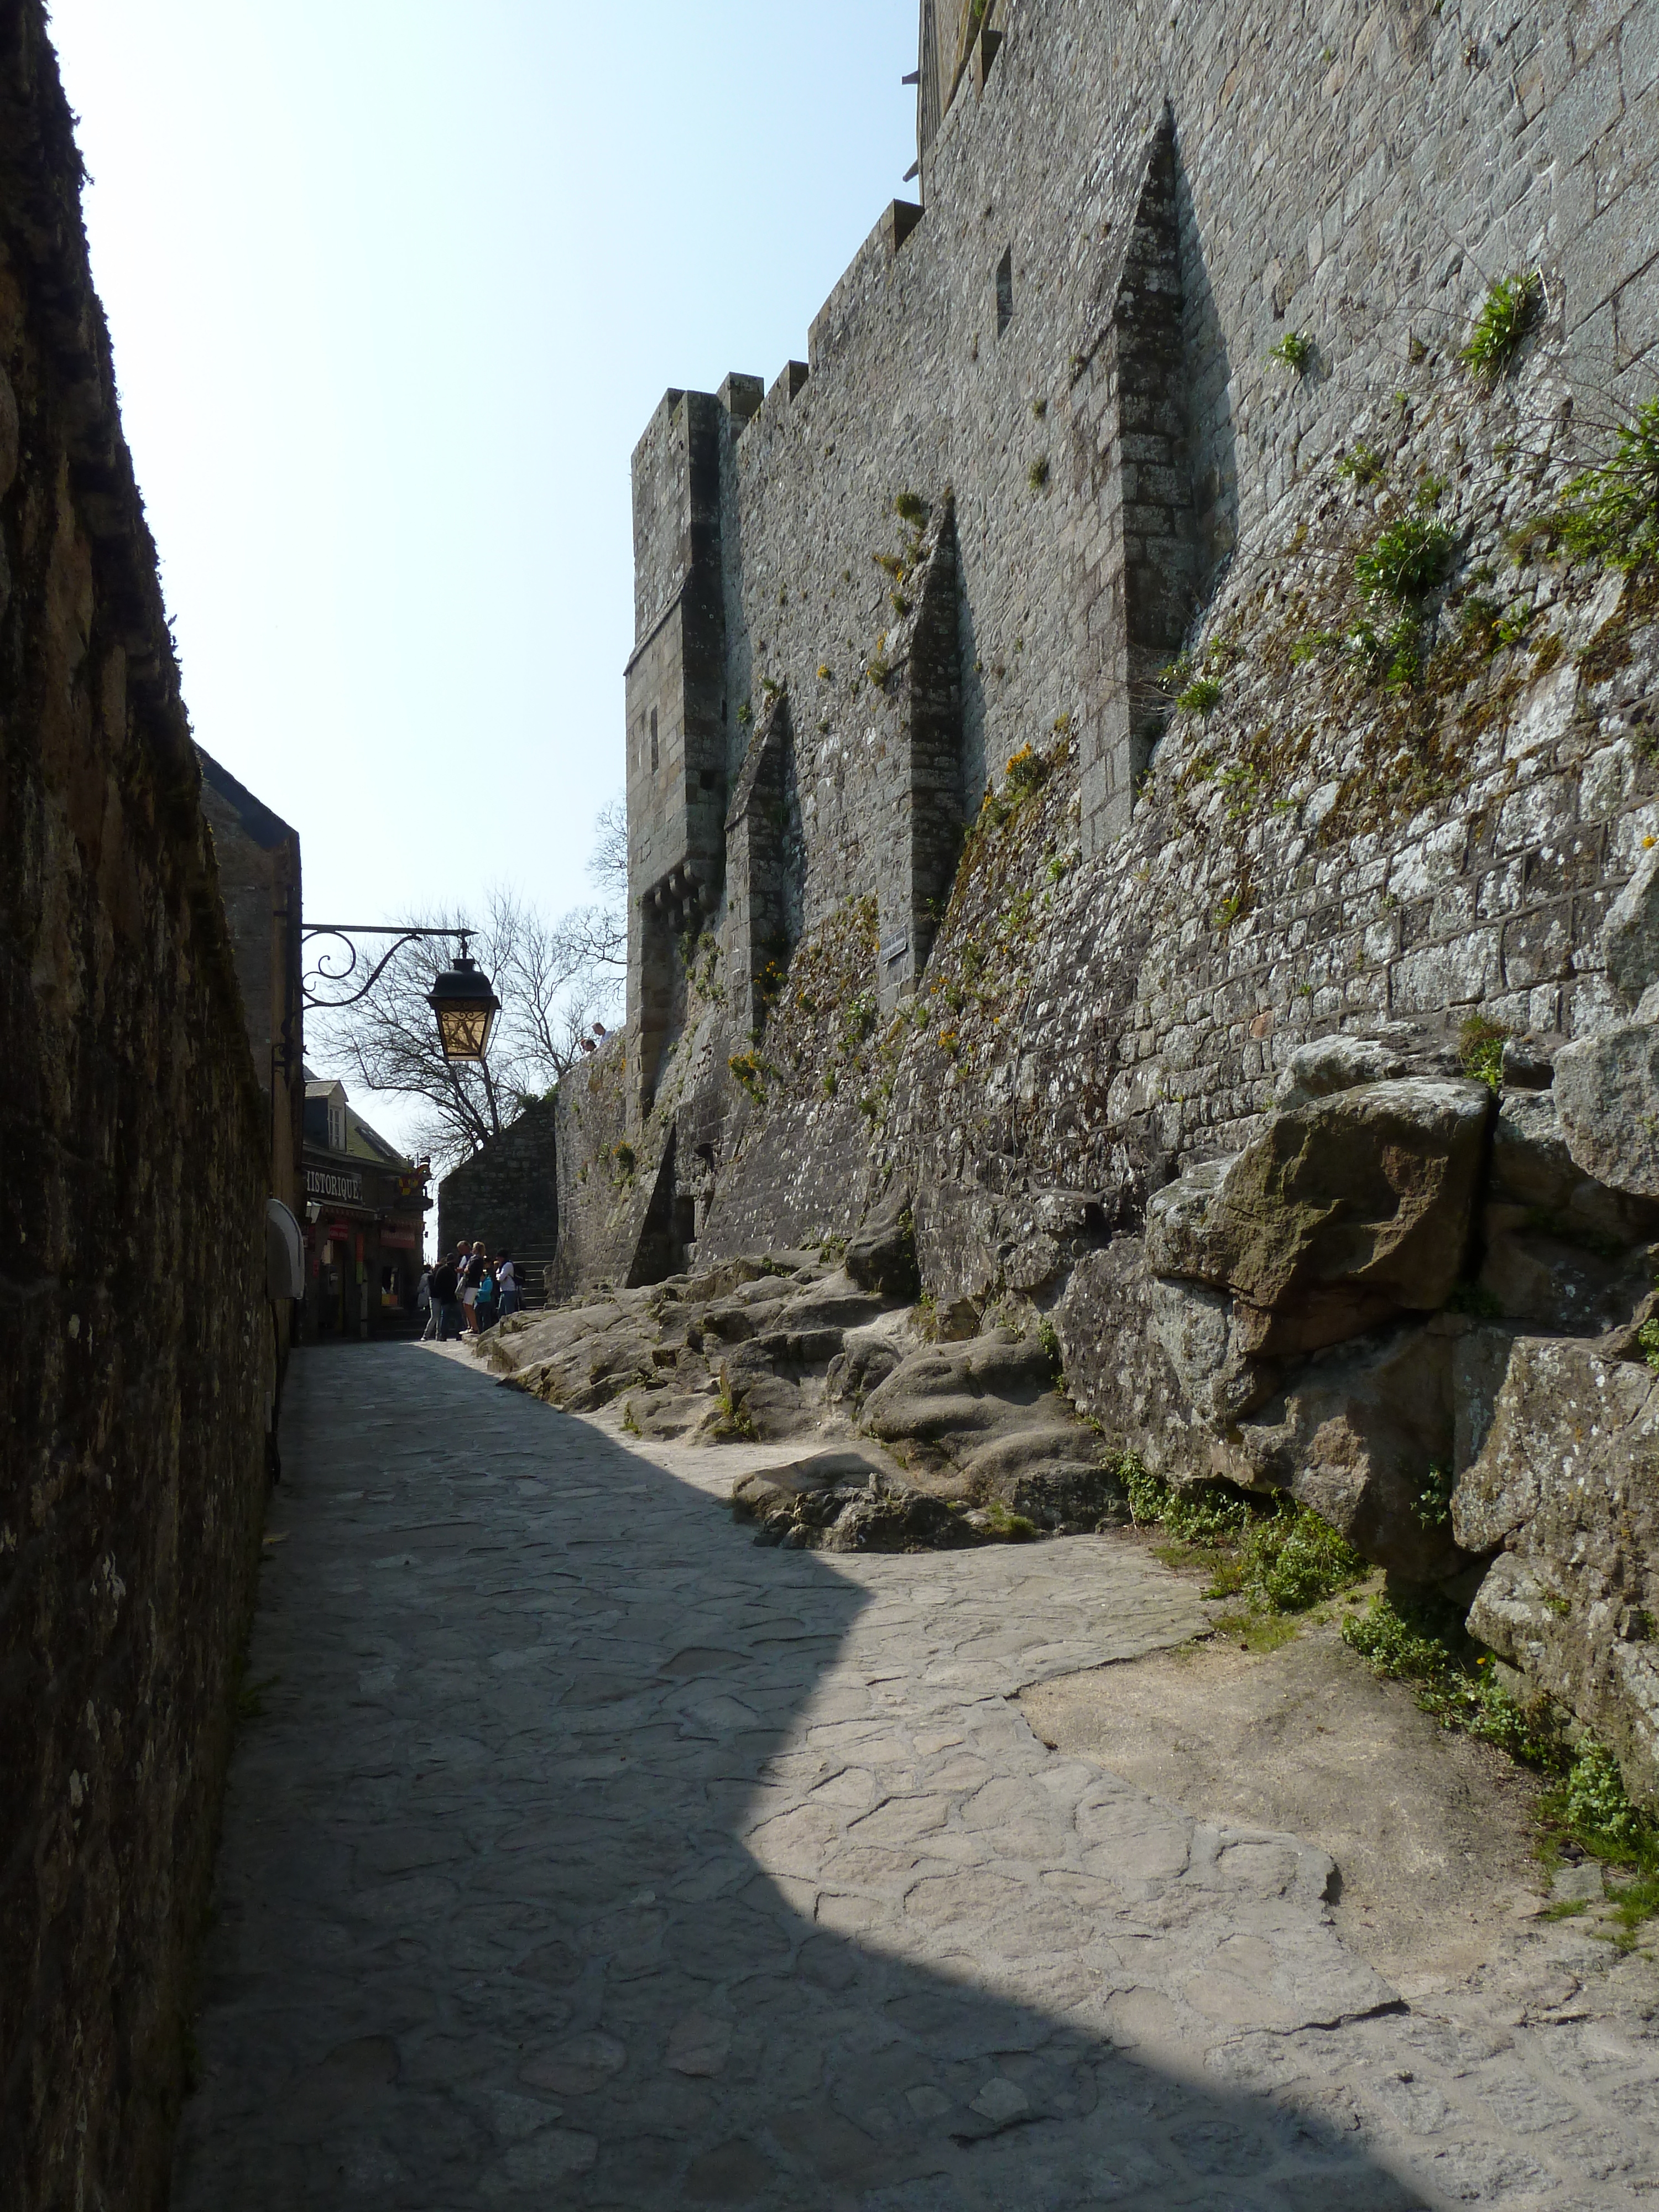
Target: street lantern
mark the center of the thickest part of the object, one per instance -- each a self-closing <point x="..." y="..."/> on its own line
<point x="461" y="998"/>
<point x="466" y="1007"/>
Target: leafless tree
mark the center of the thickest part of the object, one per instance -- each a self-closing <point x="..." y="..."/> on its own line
<point x="554" y="979"/>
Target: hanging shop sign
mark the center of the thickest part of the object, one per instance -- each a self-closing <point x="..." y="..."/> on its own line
<point x="327" y="1183"/>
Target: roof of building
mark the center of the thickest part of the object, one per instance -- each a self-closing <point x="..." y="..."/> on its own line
<point x="362" y="1142"/>
<point x="267" y="828"/>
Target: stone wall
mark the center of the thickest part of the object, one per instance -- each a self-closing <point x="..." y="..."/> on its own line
<point x="606" y="1181"/>
<point x="256" y="859"/>
<point x="1164" y="381"/>
<point x="139" y="1365"/>
<point x="507" y="1193"/>
<point x="1071" y="349"/>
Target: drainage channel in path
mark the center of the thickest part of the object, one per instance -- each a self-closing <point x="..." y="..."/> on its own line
<point x="584" y="1854"/>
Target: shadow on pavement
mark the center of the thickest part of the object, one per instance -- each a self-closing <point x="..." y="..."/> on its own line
<point x="486" y="1931"/>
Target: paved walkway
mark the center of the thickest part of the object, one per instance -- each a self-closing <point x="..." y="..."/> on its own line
<point x="586" y="1854"/>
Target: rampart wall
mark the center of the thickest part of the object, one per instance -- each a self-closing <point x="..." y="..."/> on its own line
<point x="1163" y="736"/>
<point x="138" y="1378"/>
<point x="1125" y="213"/>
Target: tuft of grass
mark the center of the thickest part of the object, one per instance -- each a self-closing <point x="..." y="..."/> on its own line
<point x="1481" y="1045"/>
<point x="1507" y="314"/>
<point x="630" y="1427"/>
<point x="1295" y="350"/>
<point x="1012" y="1528"/>
<point x="734" y="1420"/>
<point x="1407" y="559"/>
<point x="910" y="507"/>
<point x="1257" y="1631"/>
<point x="1202" y="696"/>
<point x="1647" y="1340"/>
<point x="1037" y="474"/>
<point x="1610" y="515"/>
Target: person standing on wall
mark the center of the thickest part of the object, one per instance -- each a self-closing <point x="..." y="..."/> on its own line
<point x="507" y="1286"/>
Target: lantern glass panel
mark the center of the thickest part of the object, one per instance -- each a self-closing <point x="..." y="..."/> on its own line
<point x="464" y="1030"/>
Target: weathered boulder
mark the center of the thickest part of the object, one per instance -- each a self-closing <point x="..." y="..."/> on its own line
<point x="843" y="1502"/>
<point x="1357" y="1435"/>
<point x="1334" y="1063"/>
<point x="882" y="1256"/>
<point x="1195" y="1326"/>
<point x="1122" y="1333"/>
<point x="1606" y="1090"/>
<point x="1561" y="1250"/>
<point x="1567" y="1481"/>
<point x="1342" y="1213"/>
<point x="952" y="1395"/>
<point x="1630" y="938"/>
<point x="775" y="1494"/>
<point x="666" y="1414"/>
<point x="1529" y="1059"/>
<point x="869" y="1357"/>
<point x="897" y="1518"/>
<point x="1052" y="1475"/>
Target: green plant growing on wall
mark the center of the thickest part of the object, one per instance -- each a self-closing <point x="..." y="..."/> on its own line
<point x="1610" y="515"/>
<point x="1202" y="696"/>
<point x="1295" y="349"/>
<point x="749" y="1075"/>
<point x="1364" y="466"/>
<point x="623" y="1161"/>
<point x="1407" y="559"/>
<point x="1481" y="1048"/>
<point x="1432" y="1506"/>
<point x="1647" y="1339"/>
<point x="1037" y="474"/>
<point x="1026" y="771"/>
<point x="910" y="507"/>
<point x="1507" y="314"/>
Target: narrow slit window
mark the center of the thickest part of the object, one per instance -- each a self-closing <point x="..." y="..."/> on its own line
<point x="1005" y="291"/>
<point x="653" y="741"/>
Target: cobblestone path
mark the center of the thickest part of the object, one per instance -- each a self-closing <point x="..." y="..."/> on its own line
<point x="586" y="1854"/>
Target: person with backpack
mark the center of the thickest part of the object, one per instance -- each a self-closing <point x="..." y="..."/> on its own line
<point x="443" y="1290"/>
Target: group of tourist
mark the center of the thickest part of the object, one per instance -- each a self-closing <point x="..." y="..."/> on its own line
<point x="464" y="1295"/>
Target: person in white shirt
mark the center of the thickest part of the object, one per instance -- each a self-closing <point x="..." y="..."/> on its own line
<point x="507" y="1286"/>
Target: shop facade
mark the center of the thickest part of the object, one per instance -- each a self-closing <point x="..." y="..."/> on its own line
<point x="365" y="1226"/>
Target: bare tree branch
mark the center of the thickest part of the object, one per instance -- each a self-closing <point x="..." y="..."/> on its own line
<point x="554" y="979"/>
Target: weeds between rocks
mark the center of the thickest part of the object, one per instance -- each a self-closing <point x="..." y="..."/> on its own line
<point x="1586" y="1811"/>
<point x="1278" y="1556"/>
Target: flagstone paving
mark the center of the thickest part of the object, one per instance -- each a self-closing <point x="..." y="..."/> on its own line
<point x="584" y="1854"/>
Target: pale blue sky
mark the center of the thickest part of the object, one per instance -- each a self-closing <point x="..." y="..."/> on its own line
<point x="394" y="287"/>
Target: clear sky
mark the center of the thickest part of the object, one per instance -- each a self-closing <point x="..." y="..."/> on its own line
<point x="394" y="287"/>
